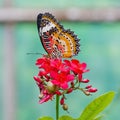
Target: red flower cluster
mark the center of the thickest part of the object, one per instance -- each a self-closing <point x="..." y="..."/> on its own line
<point x="60" y="77"/>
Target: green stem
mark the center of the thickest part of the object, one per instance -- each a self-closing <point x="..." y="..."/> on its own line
<point x="57" y="107"/>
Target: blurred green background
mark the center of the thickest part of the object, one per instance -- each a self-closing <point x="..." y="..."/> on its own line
<point x="100" y="49"/>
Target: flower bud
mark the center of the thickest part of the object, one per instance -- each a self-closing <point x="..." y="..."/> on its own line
<point x="38" y="80"/>
<point x="69" y="90"/>
<point x="84" y="81"/>
<point x="40" y="96"/>
<point x="58" y="93"/>
<point x="62" y="101"/>
<point x="89" y="86"/>
<point x="86" y="92"/>
<point x="72" y="84"/>
<point x="50" y="87"/>
<point x="65" y="107"/>
<point x="92" y="90"/>
<point x="80" y="77"/>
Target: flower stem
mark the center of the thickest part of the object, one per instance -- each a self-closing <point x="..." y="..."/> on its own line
<point x="57" y="107"/>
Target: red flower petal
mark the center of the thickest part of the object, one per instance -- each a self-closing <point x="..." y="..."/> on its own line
<point x="67" y="63"/>
<point x="74" y="61"/>
<point x="70" y="77"/>
<point x="64" y="85"/>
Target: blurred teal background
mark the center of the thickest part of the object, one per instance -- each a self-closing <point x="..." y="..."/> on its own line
<point x="100" y="49"/>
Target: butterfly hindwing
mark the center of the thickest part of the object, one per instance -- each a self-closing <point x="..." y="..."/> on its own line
<point x="70" y="43"/>
<point x="57" y="41"/>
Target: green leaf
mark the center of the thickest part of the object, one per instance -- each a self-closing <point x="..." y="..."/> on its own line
<point x="45" y="118"/>
<point x="65" y="117"/>
<point x="99" y="117"/>
<point x="96" y="106"/>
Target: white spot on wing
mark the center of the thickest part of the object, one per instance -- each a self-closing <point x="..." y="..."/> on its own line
<point x="48" y="27"/>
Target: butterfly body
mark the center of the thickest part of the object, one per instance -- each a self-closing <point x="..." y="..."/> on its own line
<point x="58" y="42"/>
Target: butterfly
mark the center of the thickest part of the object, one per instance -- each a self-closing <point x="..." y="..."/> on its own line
<point x="57" y="41"/>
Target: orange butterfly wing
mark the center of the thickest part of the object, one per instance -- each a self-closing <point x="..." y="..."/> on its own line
<point x="58" y="42"/>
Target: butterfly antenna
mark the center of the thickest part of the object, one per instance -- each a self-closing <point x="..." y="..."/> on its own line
<point x="37" y="53"/>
